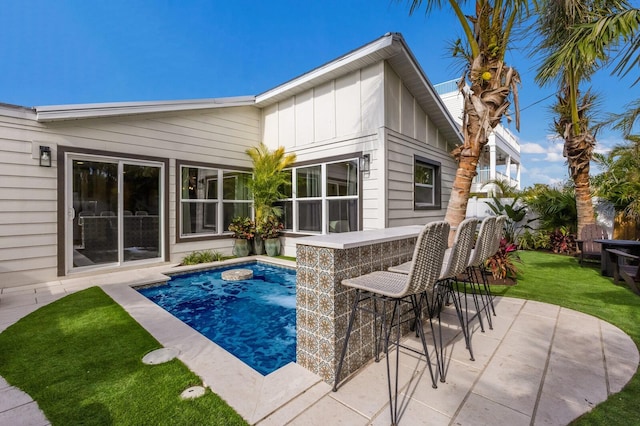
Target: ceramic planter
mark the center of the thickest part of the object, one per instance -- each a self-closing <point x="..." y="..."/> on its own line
<point x="258" y="245"/>
<point x="241" y="247"/>
<point x="272" y="246"/>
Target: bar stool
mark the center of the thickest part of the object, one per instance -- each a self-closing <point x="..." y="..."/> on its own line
<point x="455" y="262"/>
<point x="396" y="289"/>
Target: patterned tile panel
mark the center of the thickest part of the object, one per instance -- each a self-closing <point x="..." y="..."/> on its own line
<point x="324" y="303"/>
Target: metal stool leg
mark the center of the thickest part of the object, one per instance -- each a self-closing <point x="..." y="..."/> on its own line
<point x="346" y="339"/>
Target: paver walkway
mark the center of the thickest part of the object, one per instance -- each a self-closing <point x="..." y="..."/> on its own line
<point x="540" y="365"/>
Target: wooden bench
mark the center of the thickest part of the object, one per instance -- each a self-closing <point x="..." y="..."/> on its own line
<point x="624" y="269"/>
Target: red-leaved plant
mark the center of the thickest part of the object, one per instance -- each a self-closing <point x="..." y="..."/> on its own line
<point x="501" y="264"/>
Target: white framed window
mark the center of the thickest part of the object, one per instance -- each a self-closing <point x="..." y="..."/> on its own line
<point x="426" y="178"/>
<point x="323" y="198"/>
<point x="206" y="207"/>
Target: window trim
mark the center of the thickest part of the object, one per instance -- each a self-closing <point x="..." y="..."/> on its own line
<point x="323" y="198"/>
<point x="221" y="169"/>
<point x="437" y="184"/>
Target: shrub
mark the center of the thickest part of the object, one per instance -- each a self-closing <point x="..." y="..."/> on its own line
<point x="502" y="264"/>
<point x="555" y="207"/>
<point x="536" y="240"/>
<point x="205" y="256"/>
<point x="562" y="241"/>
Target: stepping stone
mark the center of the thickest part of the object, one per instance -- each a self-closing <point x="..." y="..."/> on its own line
<point x="237" y="274"/>
<point x="192" y="392"/>
<point x="160" y="356"/>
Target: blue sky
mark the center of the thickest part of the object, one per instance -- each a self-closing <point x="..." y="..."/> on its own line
<point x="78" y="51"/>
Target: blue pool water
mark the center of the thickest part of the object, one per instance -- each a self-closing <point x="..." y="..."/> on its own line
<point x="255" y="319"/>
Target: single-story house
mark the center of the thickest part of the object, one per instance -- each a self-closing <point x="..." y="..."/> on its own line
<point x="97" y="187"/>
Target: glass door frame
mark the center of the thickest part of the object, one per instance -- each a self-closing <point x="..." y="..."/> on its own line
<point x="69" y="212"/>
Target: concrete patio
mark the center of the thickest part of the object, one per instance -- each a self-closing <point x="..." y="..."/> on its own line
<point x="540" y="365"/>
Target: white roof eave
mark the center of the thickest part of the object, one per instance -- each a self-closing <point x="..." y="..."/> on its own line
<point x="80" y="111"/>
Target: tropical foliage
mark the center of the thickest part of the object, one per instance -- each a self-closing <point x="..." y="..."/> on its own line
<point x="515" y="211"/>
<point x="502" y="263"/>
<point x="488" y="85"/>
<point x="270" y="227"/>
<point x="243" y="228"/>
<point x="612" y="28"/>
<point x="554" y="207"/>
<point x="557" y="23"/>
<point x="534" y="240"/>
<point x="562" y="241"/>
<point x="619" y="183"/>
<point x="269" y="178"/>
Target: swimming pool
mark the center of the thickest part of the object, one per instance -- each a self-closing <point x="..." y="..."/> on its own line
<point x="254" y="319"/>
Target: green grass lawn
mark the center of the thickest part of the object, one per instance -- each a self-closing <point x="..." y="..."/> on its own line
<point x="562" y="281"/>
<point x="80" y="358"/>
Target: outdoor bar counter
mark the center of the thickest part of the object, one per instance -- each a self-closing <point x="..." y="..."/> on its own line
<point x="323" y="303"/>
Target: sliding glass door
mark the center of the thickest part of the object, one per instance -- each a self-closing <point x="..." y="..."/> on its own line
<point x="114" y="210"/>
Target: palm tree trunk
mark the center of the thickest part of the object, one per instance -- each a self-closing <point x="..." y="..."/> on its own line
<point x="484" y="105"/>
<point x="584" y="205"/>
<point x="457" y="207"/>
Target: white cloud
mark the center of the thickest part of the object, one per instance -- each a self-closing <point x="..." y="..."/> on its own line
<point x="554" y="157"/>
<point x="531" y="148"/>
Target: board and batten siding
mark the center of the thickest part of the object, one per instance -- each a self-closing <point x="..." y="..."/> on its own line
<point x="28" y="213"/>
<point x="348" y="107"/>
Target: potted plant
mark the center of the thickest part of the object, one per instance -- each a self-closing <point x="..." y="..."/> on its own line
<point x="258" y="241"/>
<point x="270" y="230"/>
<point x="243" y="230"/>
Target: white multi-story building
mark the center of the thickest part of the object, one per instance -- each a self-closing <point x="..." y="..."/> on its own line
<point x="501" y="157"/>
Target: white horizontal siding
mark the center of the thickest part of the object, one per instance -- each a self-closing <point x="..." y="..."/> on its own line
<point x="29" y="193"/>
<point x="400" y="157"/>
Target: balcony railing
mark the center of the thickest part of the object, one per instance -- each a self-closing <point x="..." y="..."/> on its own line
<point x="484" y="176"/>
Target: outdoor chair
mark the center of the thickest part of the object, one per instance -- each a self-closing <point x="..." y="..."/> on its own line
<point x="625" y="266"/>
<point x="493" y="247"/>
<point x="475" y="270"/>
<point x="587" y="247"/>
<point x="398" y="289"/>
<point x="456" y="260"/>
<point x="455" y="263"/>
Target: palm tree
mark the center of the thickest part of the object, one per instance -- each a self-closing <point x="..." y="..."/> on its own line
<point x="613" y="28"/>
<point x="268" y="179"/>
<point x="578" y="149"/>
<point x="492" y="85"/>
<point x="557" y="22"/>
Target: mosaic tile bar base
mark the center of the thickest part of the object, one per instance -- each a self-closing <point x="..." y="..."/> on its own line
<point x="324" y="304"/>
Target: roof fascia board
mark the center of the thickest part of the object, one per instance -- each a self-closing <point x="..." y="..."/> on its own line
<point x="16" y="111"/>
<point x="79" y="111"/>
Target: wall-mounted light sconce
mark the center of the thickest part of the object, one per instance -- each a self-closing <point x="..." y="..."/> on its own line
<point x="45" y="156"/>
<point x="365" y="163"/>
